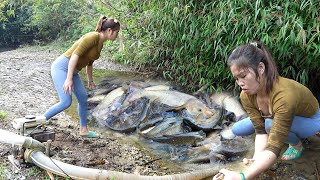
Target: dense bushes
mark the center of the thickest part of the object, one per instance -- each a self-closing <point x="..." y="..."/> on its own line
<point x="12" y="25"/>
<point x="194" y="38"/>
<point x="42" y="21"/>
<point x="189" y="40"/>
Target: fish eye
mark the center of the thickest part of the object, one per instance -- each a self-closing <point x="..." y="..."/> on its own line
<point x="200" y="110"/>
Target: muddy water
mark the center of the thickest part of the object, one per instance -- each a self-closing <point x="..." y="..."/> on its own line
<point x="169" y="154"/>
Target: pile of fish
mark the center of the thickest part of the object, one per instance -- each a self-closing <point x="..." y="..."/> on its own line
<point x="165" y="115"/>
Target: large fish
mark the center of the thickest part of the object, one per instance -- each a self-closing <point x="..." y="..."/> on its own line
<point x="173" y="98"/>
<point x="160" y="93"/>
<point x="163" y="127"/>
<point x="125" y="119"/>
<point x="158" y="88"/>
<point x="96" y="99"/>
<point x="203" y="155"/>
<point x="230" y="103"/>
<point x="170" y="131"/>
<point x="196" y="108"/>
<point x="219" y="151"/>
<point x="190" y="138"/>
<point x="235" y="147"/>
<point x="101" y="111"/>
<point x="226" y="132"/>
<point x="201" y="122"/>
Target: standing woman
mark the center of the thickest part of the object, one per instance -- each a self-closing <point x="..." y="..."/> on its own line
<point x="280" y="110"/>
<point x="65" y="70"/>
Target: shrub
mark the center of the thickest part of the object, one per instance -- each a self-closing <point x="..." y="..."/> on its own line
<point x="192" y="39"/>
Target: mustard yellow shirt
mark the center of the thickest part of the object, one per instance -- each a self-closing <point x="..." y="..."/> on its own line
<point x="87" y="48"/>
<point x="288" y="98"/>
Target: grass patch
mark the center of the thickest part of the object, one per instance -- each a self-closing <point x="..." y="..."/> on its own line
<point x="34" y="172"/>
<point x="2" y="171"/>
<point x="3" y="115"/>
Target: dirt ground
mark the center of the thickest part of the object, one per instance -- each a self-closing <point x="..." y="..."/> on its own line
<point x="26" y="88"/>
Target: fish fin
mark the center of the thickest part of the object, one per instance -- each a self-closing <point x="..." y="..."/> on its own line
<point x="179" y="107"/>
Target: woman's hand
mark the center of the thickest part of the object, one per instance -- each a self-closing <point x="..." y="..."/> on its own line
<point x="68" y="86"/>
<point x="91" y="85"/>
<point x="227" y="175"/>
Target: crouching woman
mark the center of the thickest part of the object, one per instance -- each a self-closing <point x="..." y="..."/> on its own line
<point x="281" y="111"/>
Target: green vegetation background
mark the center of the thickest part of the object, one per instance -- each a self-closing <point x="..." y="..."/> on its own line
<point x="187" y="41"/>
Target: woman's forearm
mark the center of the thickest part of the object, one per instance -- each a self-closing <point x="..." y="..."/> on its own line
<point x="72" y="66"/>
<point x="263" y="161"/>
<point x="89" y="70"/>
<point x="261" y="142"/>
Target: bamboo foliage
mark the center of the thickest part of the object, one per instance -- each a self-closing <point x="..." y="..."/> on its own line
<point x="196" y="37"/>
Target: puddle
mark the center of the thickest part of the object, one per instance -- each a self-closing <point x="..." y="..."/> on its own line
<point x="169" y="154"/>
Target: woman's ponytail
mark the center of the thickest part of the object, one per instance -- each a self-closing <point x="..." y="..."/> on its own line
<point x="104" y="23"/>
<point x="99" y="23"/>
<point x="272" y="73"/>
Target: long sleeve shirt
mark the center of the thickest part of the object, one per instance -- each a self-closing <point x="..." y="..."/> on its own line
<point x="87" y="48"/>
<point x="287" y="98"/>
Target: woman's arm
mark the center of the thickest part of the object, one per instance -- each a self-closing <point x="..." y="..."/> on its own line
<point x="68" y="84"/>
<point x="263" y="161"/>
<point x="261" y="142"/>
<point x="89" y="70"/>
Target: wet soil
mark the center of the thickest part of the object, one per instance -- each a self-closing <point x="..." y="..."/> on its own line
<point x="26" y="88"/>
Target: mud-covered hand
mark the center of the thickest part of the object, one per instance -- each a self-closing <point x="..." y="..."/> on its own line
<point x="68" y="86"/>
<point x="227" y="175"/>
<point x="91" y="85"/>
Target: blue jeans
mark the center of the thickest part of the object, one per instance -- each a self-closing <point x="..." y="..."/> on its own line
<point x="302" y="127"/>
<point x="59" y="70"/>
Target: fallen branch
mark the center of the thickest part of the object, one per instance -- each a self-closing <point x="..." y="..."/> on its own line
<point x="151" y="161"/>
<point x="50" y="175"/>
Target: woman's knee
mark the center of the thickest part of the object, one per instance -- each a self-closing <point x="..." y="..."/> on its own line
<point x="236" y="129"/>
<point x="243" y="128"/>
<point x="66" y="103"/>
<point x="268" y="124"/>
